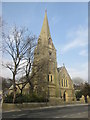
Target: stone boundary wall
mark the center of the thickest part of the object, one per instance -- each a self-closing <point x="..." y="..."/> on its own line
<point x="6" y="106"/>
<point x="10" y="107"/>
<point x="52" y="102"/>
<point x="88" y="100"/>
<point x="82" y="99"/>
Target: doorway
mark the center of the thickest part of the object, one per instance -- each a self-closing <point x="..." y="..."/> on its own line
<point x="64" y="96"/>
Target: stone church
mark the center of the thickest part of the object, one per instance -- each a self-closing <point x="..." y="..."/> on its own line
<point x="49" y="80"/>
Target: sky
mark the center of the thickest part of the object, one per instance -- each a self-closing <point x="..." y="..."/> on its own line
<point x="68" y="23"/>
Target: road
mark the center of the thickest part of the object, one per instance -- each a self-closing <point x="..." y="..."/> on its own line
<point x="78" y="111"/>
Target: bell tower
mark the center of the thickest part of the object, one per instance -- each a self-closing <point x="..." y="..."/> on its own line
<point x="45" y="55"/>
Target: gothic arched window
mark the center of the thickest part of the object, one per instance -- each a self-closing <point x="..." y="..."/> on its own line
<point x="51" y="78"/>
<point x="50" y="53"/>
<point x="48" y="78"/>
<point x="49" y="41"/>
<point x="62" y="82"/>
<point x="66" y="83"/>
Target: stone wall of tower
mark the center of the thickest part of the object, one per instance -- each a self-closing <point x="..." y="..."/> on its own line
<point x="45" y="63"/>
<point x="40" y="70"/>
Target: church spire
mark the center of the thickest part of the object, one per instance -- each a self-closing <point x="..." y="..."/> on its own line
<point x="45" y="32"/>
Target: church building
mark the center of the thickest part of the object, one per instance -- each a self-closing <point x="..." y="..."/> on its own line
<point x="49" y="80"/>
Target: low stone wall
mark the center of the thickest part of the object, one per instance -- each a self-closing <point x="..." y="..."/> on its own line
<point x="59" y="101"/>
<point x="53" y="102"/>
<point x="82" y="99"/>
<point x="6" y="106"/>
<point x="88" y="100"/>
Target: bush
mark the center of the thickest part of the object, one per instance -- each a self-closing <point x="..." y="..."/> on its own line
<point x="78" y="95"/>
<point x="25" y="98"/>
<point x="19" y="98"/>
<point x="8" y="99"/>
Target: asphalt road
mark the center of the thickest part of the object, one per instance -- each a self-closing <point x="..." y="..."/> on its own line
<point x="80" y="111"/>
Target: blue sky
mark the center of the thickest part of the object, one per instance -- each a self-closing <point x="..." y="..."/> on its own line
<point x="68" y="24"/>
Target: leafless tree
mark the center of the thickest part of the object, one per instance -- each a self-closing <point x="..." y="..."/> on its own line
<point x="17" y="45"/>
<point x="35" y="72"/>
<point x="27" y="66"/>
<point x="29" y="58"/>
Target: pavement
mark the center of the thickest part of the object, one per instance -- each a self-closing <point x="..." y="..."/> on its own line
<point x="62" y="111"/>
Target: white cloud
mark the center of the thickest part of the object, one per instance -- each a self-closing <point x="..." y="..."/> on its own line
<point x="78" y="38"/>
<point x="82" y="72"/>
<point x="4" y="72"/>
<point x="84" y="53"/>
<point x="55" y="20"/>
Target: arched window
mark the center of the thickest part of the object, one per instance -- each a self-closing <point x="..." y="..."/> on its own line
<point x="48" y="78"/>
<point x="49" y="41"/>
<point x="62" y="82"/>
<point x="51" y="78"/>
<point x="50" y="53"/>
<point x="66" y="83"/>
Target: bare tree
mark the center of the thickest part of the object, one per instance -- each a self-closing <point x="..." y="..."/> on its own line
<point x="34" y="72"/>
<point x="17" y="44"/>
<point x="27" y="66"/>
<point x="29" y="58"/>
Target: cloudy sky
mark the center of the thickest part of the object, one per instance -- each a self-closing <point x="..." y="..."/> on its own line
<point x="68" y="24"/>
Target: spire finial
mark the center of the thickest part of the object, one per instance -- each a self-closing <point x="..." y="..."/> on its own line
<point x="45" y="10"/>
<point x="45" y="26"/>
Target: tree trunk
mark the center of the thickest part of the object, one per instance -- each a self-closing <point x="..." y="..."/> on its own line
<point x="21" y="92"/>
<point x="14" y="89"/>
<point x="14" y="96"/>
<point x="31" y="87"/>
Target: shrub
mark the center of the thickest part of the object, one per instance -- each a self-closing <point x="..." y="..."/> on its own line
<point x="25" y="98"/>
<point x="78" y="95"/>
<point x="8" y="99"/>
